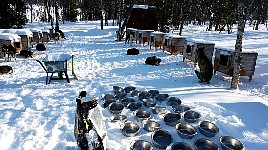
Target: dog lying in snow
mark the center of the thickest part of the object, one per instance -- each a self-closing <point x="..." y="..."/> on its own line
<point x="5" y="69"/>
<point x="153" y="61"/>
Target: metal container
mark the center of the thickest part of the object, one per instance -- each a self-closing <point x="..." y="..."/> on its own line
<point x="153" y="93"/>
<point x="147" y="102"/>
<point x="173" y="101"/>
<point x="144" y="94"/>
<point x="180" y="109"/>
<point x="205" y="144"/>
<point x="130" y="129"/>
<point x="151" y="126"/>
<point x="107" y="96"/>
<point x="159" y="110"/>
<point x="208" y="128"/>
<point x="161" y="139"/>
<point x="135" y="93"/>
<point x="231" y="143"/>
<point x="141" y="145"/>
<point x="116" y="107"/>
<point x="134" y="106"/>
<point x="129" y="89"/>
<point x="172" y="119"/>
<point x="161" y="97"/>
<point x="142" y="115"/>
<point x="181" y="146"/>
<point x="107" y="102"/>
<point x="191" y="116"/>
<point x="126" y="101"/>
<point x="185" y="130"/>
<point x="117" y="89"/>
<point x="120" y="96"/>
<point x="119" y="118"/>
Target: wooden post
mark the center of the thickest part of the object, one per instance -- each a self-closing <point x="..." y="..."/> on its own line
<point x="238" y="45"/>
<point x="73" y="68"/>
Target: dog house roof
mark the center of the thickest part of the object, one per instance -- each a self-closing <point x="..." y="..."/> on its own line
<point x="11" y="31"/>
<point x="6" y="37"/>
<point x="16" y="37"/>
<point x="36" y="30"/>
<point x="24" y="32"/>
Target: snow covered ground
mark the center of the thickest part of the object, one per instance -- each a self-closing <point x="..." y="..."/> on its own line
<point x="38" y="116"/>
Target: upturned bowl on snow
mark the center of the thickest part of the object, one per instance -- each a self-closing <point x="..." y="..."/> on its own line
<point x="231" y="143"/>
<point x="191" y="116"/>
<point x="161" y="139"/>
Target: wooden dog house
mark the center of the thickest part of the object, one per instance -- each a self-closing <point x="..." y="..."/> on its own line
<point x="16" y="41"/>
<point x="26" y="38"/>
<point x="174" y="44"/>
<point x="190" y="51"/>
<point x="224" y="58"/>
<point x="46" y="36"/>
<point x="37" y="35"/>
<point x="156" y="39"/>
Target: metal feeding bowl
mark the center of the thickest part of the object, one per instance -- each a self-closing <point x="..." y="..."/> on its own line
<point x="181" y="146"/>
<point x="208" y="128"/>
<point x="116" y="107"/>
<point x="173" y="101"/>
<point x="119" y="118"/>
<point x="205" y="144"/>
<point x="185" y="130"/>
<point x="144" y="94"/>
<point x="108" y="102"/>
<point x="172" y="119"/>
<point x="126" y="101"/>
<point x="141" y="145"/>
<point x="151" y="126"/>
<point x="180" y="109"/>
<point x="161" y="97"/>
<point x="120" y="96"/>
<point x="161" y="139"/>
<point x="147" y="102"/>
<point x="129" y="89"/>
<point x="191" y="116"/>
<point x="130" y="129"/>
<point x="135" y="93"/>
<point x="117" y="89"/>
<point x="159" y="110"/>
<point x="107" y="96"/>
<point x="142" y="115"/>
<point x="153" y="93"/>
<point x="231" y="143"/>
<point x="134" y="106"/>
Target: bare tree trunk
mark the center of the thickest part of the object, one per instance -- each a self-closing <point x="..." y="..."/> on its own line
<point x="238" y="45"/>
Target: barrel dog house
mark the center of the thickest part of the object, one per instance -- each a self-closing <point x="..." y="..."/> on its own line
<point x="157" y="39"/>
<point x="26" y="38"/>
<point x="174" y="44"/>
<point x="190" y="51"/>
<point x="224" y="62"/>
<point x="46" y="35"/>
<point x="16" y="41"/>
<point x="37" y="35"/>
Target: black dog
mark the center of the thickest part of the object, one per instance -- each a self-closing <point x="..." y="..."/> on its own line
<point x="5" y="69"/>
<point x="40" y="47"/>
<point x="10" y="51"/>
<point x="26" y="53"/>
<point x="133" y="51"/>
<point x="153" y="61"/>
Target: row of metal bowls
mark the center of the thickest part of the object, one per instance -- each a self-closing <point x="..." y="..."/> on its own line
<point x="161" y="142"/>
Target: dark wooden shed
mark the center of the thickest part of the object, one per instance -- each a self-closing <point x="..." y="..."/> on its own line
<point x="142" y="17"/>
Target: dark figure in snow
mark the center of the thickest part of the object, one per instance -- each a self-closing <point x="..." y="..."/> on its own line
<point x="153" y="61"/>
<point x="205" y="65"/>
<point x="5" y="69"/>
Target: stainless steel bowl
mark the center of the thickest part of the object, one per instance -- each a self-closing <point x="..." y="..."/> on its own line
<point x="148" y="102"/>
<point x="161" y="97"/>
<point x="134" y="106"/>
<point x="107" y="96"/>
<point x="173" y="101"/>
<point x="159" y="110"/>
<point x="161" y="139"/>
<point x="153" y="93"/>
<point x="185" y="130"/>
<point x="180" y="109"/>
<point x="151" y="126"/>
<point x="191" y="116"/>
<point x="129" y="89"/>
<point x="119" y="118"/>
<point x="142" y="115"/>
<point x="116" y="107"/>
<point x="172" y="119"/>
<point x="107" y="102"/>
<point x="135" y="93"/>
<point x="208" y="128"/>
<point x="141" y="145"/>
<point x="181" y="146"/>
<point x="126" y="101"/>
<point x="144" y="94"/>
<point x="231" y="143"/>
<point x="205" y="144"/>
<point x="120" y="96"/>
<point x="117" y="89"/>
<point x="130" y="129"/>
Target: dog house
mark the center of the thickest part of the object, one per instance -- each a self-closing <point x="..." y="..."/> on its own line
<point x="131" y="32"/>
<point x="190" y="51"/>
<point x="224" y="59"/>
<point x="37" y="35"/>
<point x="145" y="36"/>
<point x="156" y="39"/>
<point x="26" y="38"/>
<point x="174" y="44"/>
<point x="46" y="36"/>
<point x="16" y="41"/>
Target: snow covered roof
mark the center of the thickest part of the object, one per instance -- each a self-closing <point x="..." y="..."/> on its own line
<point x="12" y="31"/>
<point x="16" y="37"/>
<point x="36" y="30"/>
<point x="24" y="32"/>
<point x="6" y="37"/>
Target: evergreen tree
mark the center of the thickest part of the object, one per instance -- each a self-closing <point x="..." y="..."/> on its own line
<point x="12" y="13"/>
<point x="70" y="10"/>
